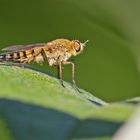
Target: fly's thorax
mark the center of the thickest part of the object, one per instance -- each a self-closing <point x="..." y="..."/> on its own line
<point x="55" y="54"/>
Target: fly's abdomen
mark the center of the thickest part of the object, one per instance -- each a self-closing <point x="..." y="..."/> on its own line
<point x="2" y="57"/>
<point x="13" y="56"/>
<point x="27" y="56"/>
<point x="6" y="57"/>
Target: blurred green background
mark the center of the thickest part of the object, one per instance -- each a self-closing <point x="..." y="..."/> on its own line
<point x="109" y="66"/>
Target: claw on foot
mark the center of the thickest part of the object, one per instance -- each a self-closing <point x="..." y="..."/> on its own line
<point x="62" y="83"/>
<point x="75" y="87"/>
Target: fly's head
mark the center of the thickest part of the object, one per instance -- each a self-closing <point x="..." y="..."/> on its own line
<point x="78" y="47"/>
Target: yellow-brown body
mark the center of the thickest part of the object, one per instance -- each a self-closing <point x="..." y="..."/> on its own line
<point x="56" y="52"/>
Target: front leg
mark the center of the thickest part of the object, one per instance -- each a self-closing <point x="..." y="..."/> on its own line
<point x="73" y="74"/>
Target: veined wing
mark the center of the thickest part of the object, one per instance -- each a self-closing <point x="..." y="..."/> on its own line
<point x="15" y="48"/>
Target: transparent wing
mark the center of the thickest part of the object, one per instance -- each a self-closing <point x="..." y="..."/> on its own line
<point x="23" y="47"/>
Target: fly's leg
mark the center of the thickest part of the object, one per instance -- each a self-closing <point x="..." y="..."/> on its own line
<point x="12" y="64"/>
<point x="21" y="64"/>
<point x="24" y="62"/>
<point x="60" y="73"/>
<point x="73" y="74"/>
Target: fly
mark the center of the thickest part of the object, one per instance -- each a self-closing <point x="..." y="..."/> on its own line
<point x="56" y="52"/>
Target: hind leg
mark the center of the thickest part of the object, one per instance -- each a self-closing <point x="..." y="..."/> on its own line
<point x="19" y="63"/>
<point x="13" y="64"/>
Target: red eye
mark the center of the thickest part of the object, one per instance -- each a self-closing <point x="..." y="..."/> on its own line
<point x="77" y="45"/>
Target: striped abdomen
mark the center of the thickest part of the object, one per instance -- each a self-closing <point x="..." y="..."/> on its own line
<point x="12" y="56"/>
<point x="24" y="56"/>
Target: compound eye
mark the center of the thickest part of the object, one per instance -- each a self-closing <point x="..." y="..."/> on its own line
<point x="77" y="45"/>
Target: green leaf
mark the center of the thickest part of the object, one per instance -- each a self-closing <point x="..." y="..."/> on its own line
<point x="36" y="106"/>
<point x="109" y="64"/>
